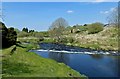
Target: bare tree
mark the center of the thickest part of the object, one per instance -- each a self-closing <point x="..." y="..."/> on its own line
<point x="57" y="28"/>
<point x="114" y="20"/>
<point x="113" y="17"/>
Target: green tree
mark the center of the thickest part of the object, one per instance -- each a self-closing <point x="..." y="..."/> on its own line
<point x="95" y="28"/>
<point x="3" y="34"/>
<point x="85" y="25"/>
<point x="25" y="30"/>
<point x="9" y="36"/>
<point x="31" y="31"/>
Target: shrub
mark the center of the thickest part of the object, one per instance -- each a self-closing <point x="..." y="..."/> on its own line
<point x="63" y="40"/>
<point x="41" y="39"/>
<point x="70" y="40"/>
<point x="66" y="40"/>
<point x="83" y="28"/>
<point x="95" y="28"/>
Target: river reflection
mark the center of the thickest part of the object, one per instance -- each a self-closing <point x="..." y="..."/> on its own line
<point x="60" y="57"/>
<point x="96" y="56"/>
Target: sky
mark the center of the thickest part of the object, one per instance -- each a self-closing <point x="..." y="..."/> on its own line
<point x="60" y="0"/>
<point x="40" y="15"/>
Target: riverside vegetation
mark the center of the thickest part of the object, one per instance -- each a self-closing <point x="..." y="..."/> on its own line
<point x="18" y="62"/>
<point x="78" y="35"/>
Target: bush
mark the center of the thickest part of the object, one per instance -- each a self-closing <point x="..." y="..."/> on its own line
<point x="62" y="40"/>
<point x="66" y="40"/>
<point x="83" y="28"/>
<point x="95" y="28"/>
<point x="70" y="40"/>
<point x="41" y="39"/>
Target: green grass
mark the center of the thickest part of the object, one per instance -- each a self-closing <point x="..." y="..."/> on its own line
<point x="29" y="40"/>
<point x="49" y="40"/>
<point x="28" y="64"/>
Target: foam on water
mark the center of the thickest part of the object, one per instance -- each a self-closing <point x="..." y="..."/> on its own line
<point x="86" y="52"/>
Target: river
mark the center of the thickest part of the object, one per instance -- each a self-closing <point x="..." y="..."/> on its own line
<point x="91" y="63"/>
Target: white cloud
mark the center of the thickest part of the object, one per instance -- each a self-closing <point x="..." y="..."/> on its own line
<point x="106" y="1"/>
<point x="108" y="11"/>
<point x="113" y="9"/>
<point x="104" y="12"/>
<point x="70" y="11"/>
<point x="99" y="0"/>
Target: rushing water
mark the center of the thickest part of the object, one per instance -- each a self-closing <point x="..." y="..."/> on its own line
<point x="89" y="62"/>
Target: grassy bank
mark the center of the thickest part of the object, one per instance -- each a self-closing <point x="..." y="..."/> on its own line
<point x="22" y="63"/>
<point x="104" y="40"/>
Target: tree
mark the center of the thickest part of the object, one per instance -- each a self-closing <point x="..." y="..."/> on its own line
<point x="9" y="36"/>
<point x="3" y="34"/>
<point x="25" y="30"/>
<point x="31" y="31"/>
<point x="113" y="17"/>
<point x="85" y="25"/>
<point x="57" y="28"/>
<point x="95" y="28"/>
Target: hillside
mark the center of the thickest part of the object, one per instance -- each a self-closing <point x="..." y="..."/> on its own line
<point x="105" y="40"/>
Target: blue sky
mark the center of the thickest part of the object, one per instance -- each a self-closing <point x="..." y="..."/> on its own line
<point x="40" y="15"/>
<point x="60" y="0"/>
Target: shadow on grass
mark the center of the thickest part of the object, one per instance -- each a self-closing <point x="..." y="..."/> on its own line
<point x="20" y="46"/>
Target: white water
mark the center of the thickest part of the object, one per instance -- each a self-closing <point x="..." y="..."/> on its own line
<point x="63" y="51"/>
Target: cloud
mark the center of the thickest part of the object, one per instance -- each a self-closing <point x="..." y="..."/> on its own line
<point x="70" y="11"/>
<point x="99" y="0"/>
<point x="104" y="12"/>
<point x="106" y="1"/>
<point x="108" y="11"/>
<point x="113" y="9"/>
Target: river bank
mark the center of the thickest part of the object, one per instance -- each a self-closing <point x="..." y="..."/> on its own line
<point x="22" y="63"/>
<point x="106" y="40"/>
<point x="99" y="45"/>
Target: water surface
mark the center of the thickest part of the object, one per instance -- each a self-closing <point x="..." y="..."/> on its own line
<point x="92" y="65"/>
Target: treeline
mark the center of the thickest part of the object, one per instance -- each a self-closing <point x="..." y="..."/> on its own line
<point x="8" y="36"/>
<point x="32" y="33"/>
